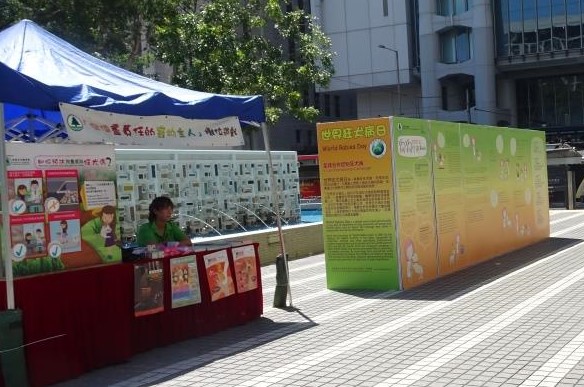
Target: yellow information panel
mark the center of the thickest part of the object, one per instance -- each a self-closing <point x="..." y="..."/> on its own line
<point x="463" y="194"/>
<point x="357" y="204"/>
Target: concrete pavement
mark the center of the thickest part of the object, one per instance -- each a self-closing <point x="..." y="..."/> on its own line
<point x="516" y="320"/>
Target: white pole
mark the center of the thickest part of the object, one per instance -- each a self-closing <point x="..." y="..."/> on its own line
<point x="6" y="253"/>
<point x="275" y="199"/>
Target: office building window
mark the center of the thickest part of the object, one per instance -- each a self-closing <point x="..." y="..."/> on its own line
<point x="535" y="26"/>
<point x="455" y="45"/>
<point x="337" y="106"/>
<point x="327" y="105"/>
<point x="551" y="102"/>
<point x="298" y="133"/>
<point x="316" y="100"/>
<point x="451" y="7"/>
<point x="385" y="8"/>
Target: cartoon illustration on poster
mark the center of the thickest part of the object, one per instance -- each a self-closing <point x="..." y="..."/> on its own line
<point x="184" y="281"/>
<point x="25" y="191"/>
<point x="219" y="275"/>
<point x="244" y="261"/>
<point x="63" y="188"/>
<point x="64" y="230"/>
<point x="102" y="234"/>
<point x="148" y="288"/>
<point x="71" y="188"/>
<point x="28" y="237"/>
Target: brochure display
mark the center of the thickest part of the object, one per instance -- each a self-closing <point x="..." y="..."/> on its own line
<point x="450" y="182"/>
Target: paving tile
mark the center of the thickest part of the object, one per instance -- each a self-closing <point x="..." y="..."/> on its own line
<point x="363" y="338"/>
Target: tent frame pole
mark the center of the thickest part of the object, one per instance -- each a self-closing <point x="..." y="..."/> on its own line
<point x="6" y="253"/>
<point x="276" y="203"/>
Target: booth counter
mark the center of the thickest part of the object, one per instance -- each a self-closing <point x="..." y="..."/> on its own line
<point x="79" y="320"/>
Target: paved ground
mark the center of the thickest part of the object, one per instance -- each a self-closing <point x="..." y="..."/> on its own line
<point x="515" y="320"/>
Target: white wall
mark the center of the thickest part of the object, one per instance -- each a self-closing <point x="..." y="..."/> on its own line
<point x="356" y="28"/>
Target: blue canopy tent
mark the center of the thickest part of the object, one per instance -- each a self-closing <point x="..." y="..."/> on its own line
<point x="38" y="70"/>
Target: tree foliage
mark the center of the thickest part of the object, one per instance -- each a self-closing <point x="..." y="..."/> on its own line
<point x="244" y="47"/>
<point x="241" y="47"/>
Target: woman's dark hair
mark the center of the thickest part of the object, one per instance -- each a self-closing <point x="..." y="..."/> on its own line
<point x="112" y="211"/>
<point x="64" y="223"/>
<point x="157" y="204"/>
<point x="21" y="187"/>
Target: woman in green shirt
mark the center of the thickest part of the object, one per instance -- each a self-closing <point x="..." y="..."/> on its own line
<point x="159" y="228"/>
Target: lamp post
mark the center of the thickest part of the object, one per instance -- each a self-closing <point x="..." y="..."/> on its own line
<point x="396" y="52"/>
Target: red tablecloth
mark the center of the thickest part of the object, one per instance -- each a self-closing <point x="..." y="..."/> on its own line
<point x="84" y="319"/>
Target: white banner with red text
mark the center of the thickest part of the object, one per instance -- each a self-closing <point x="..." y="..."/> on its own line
<point x="88" y="125"/>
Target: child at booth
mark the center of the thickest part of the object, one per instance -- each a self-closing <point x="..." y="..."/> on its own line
<point x="160" y="229"/>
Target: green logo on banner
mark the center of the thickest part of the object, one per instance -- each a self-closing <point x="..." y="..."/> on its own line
<point x="74" y="123"/>
<point x="377" y="148"/>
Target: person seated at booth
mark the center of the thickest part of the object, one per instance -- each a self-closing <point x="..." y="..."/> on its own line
<point x="160" y="229"/>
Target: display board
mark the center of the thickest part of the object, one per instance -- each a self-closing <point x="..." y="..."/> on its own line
<point x="415" y="197"/>
<point x="357" y="204"/>
<point x="463" y="194"/>
<point x="62" y="205"/>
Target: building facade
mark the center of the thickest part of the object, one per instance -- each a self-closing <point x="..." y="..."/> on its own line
<point x="497" y="62"/>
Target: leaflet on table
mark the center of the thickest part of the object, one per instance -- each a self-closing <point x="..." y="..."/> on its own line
<point x="244" y="261"/>
<point x="148" y="288"/>
<point x="219" y="275"/>
<point x="184" y="281"/>
<point x="62" y="206"/>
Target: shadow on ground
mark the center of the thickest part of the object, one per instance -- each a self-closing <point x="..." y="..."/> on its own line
<point x="466" y="280"/>
<point x="193" y="353"/>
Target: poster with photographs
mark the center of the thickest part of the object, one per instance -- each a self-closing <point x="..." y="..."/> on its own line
<point x="184" y="281"/>
<point x="148" y="288"/>
<point x="63" y="209"/>
<point x="244" y="262"/>
<point x="219" y="275"/>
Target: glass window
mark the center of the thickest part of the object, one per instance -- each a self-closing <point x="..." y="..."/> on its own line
<point x="561" y="105"/>
<point x="547" y="98"/>
<point x="460" y="6"/>
<point x="444" y="7"/>
<point x="452" y="7"/>
<point x="327" y="105"/>
<point x="456" y="45"/>
<point x="385" y="8"/>
<point x="515" y="28"/>
<point x="502" y="26"/>
<point x="544" y="26"/>
<point x="559" y="40"/>
<point x="529" y="26"/>
<point x="576" y="100"/>
<point x="337" y="106"/>
<point x="574" y="24"/>
<point x="447" y="44"/>
<point x="462" y="46"/>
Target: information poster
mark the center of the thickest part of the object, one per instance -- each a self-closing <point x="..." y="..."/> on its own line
<point x="355" y="165"/>
<point x="62" y="204"/>
<point x="219" y="275"/>
<point x="246" y="274"/>
<point x="415" y="197"/>
<point x="449" y="196"/>
<point x="184" y="281"/>
<point x="148" y="288"/>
